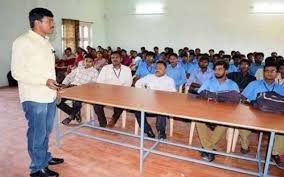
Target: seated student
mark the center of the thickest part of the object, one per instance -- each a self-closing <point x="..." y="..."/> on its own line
<point x="187" y="64"/>
<point x="243" y="78"/>
<point x="145" y="68"/>
<point x="176" y="71"/>
<point x="258" y="58"/>
<point x="216" y="84"/>
<point x="68" y="54"/>
<point x="268" y="84"/>
<point x="157" y="81"/>
<point x="157" y="54"/>
<point x="259" y="72"/>
<point x="126" y="60"/>
<point x="200" y="74"/>
<point x="280" y="77"/>
<point x="79" y="76"/>
<point x="234" y="67"/>
<point x="114" y="74"/>
<point x="250" y="57"/>
<point x="100" y="62"/>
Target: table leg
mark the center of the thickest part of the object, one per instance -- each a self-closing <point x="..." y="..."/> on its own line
<point x="57" y="128"/>
<point x="268" y="156"/>
<point x="142" y="142"/>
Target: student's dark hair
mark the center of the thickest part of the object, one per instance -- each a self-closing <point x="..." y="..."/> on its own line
<point x="89" y="56"/>
<point x="221" y="63"/>
<point x="161" y="62"/>
<point x="99" y="52"/>
<point x="123" y="50"/>
<point x="249" y="54"/>
<point x="259" y="54"/>
<point x="227" y="56"/>
<point x="171" y="50"/>
<point x="68" y="48"/>
<point x="185" y="48"/>
<point x="270" y="64"/>
<point x="143" y="48"/>
<point x="236" y="56"/>
<point x="152" y="54"/>
<point x="173" y="54"/>
<point x="270" y="60"/>
<point x="216" y="55"/>
<point x="156" y="47"/>
<point x="221" y="51"/>
<point x="184" y="54"/>
<point x="245" y="61"/>
<point x="281" y="63"/>
<point x="211" y="50"/>
<point x="116" y="53"/>
<point x="38" y="14"/>
<point x="204" y="57"/>
<point x="191" y="52"/>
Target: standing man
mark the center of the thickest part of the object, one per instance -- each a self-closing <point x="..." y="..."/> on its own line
<point x="33" y="66"/>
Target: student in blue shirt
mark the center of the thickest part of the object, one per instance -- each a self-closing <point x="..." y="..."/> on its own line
<point x="156" y="54"/>
<point x="187" y="64"/>
<point x="200" y="74"/>
<point x="268" y="84"/>
<point x="145" y="68"/>
<point x="258" y="58"/>
<point x="218" y="83"/>
<point x="236" y="63"/>
<point x="175" y="71"/>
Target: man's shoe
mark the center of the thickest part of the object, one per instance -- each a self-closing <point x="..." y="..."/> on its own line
<point x="209" y="157"/>
<point x="51" y="173"/>
<point x="55" y="161"/>
<point x="279" y="160"/>
<point x="245" y="151"/>
<point x="162" y="135"/>
<point x="78" y="117"/>
<point x="44" y="173"/>
<point x="150" y="134"/>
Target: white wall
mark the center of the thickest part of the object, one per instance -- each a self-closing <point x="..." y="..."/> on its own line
<point x="218" y="24"/>
<point x="14" y="21"/>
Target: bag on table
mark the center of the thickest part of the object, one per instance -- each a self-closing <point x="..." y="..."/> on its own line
<point x="223" y="96"/>
<point x="269" y="102"/>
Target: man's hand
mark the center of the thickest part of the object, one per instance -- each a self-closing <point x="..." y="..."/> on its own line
<point x="52" y="84"/>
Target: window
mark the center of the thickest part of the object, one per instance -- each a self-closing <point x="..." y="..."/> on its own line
<point x="76" y="34"/>
<point x="85" y="34"/>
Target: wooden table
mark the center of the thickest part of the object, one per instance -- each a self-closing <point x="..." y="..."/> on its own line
<point x="182" y="106"/>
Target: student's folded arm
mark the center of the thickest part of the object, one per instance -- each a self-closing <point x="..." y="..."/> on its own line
<point x="20" y="68"/>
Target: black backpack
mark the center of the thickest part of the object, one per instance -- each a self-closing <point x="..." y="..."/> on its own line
<point x="269" y="102"/>
<point x="223" y="96"/>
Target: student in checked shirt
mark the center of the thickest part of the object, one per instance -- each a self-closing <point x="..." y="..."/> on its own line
<point x="114" y="74"/>
<point x="157" y="81"/>
<point x="200" y="74"/>
<point x="81" y="75"/>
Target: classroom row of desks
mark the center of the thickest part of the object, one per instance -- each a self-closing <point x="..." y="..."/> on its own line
<point x="180" y="106"/>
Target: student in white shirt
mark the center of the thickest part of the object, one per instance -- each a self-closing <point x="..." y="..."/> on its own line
<point x="158" y="81"/>
<point x="114" y="74"/>
<point x="79" y="76"/>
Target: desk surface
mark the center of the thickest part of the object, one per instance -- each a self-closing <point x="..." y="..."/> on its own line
<point x="176" y="105"/>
